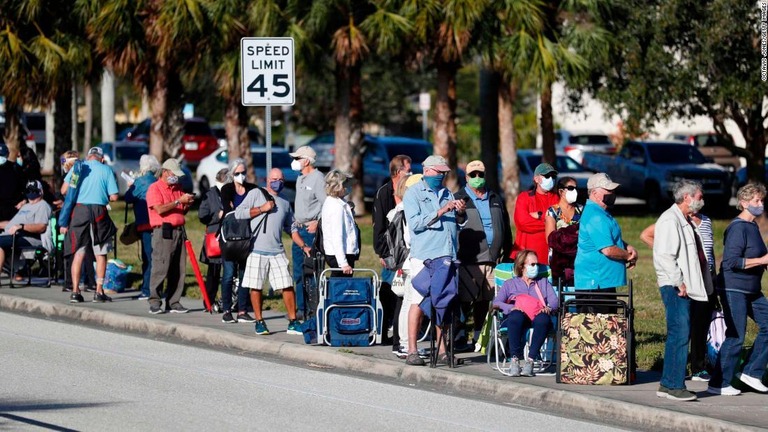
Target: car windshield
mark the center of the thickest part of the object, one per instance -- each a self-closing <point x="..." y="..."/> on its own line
<point x="279" y="160"/>
<point x="197" y="128"/>
<point x="675" y="154"/>
<point x="130" y="152"/>
<point x="711" y="140"/>
<point x="417" y="152"/>
<point x="563" y="164"/>
<point x="589" y="139"/>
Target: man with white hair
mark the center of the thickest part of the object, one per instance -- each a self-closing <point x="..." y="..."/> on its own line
<point x="310" y="195"/>
<point x="137" y="195"/>
<point x="683" y="276"/>
<point x="90" y="225"/>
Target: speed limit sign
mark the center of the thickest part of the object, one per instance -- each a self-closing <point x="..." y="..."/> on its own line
<point x="268" y="72"/>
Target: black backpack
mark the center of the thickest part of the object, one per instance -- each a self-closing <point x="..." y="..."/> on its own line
<point x="395" y="238"/>
<point x="236" y="237"/>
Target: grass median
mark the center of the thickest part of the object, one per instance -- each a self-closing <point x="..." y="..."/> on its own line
<point x="649" y="311"/>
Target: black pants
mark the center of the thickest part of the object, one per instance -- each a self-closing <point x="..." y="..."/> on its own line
<point x="701" y="316"/>
<point x="389" y="304"/>
<point x="212" y="279"/>
<point x="332" y="263"/>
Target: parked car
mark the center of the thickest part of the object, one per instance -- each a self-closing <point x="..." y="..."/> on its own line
<point x="211" y="164"/>
<point x="576" y="144"/>
<point x="199" y="140"/>
<point x="649" y="170"/>
<point x="124" y="156"/>
<point x="35" y="122"/>
<point x="528" y="160"/>
<point x="741" y="177"/>
<point x="719" y="148"/>
<point x="221" y="135"/>
<point x="323" y="145"/>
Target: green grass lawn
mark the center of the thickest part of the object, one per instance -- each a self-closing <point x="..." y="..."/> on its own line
<point x="649" y="311"/>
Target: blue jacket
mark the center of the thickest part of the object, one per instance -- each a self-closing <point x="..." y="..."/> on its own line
<point x="65" y="215"/>
<point x="438" y="283"/>
<point x="137" y="195"/>
<point x="742" y="241"/>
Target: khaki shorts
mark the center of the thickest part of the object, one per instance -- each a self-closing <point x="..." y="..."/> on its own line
<point x="476" y="282"/>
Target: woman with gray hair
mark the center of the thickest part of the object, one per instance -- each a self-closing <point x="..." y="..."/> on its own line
<point x="232" y="194"/>
<point x="744" y="261"/>
<point x="341" y="240"/>
<point x="149" y="167"/>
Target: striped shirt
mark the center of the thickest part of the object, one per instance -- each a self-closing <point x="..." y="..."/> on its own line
<point x="704" y="229"/>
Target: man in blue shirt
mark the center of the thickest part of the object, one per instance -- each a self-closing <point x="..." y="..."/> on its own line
<point x="433" y="216"/>
<point x="602" y="256"/>
<point x="91" y="225"/>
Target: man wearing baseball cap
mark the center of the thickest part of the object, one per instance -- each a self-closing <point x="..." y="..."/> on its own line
<point x="483" y="241"/>
<point x="310" y="195"/>
<point x="433" y="215"/>
<point x="167" y="205"/>
<point x="531" y="208"/>
<point x="602" y="256"/>
<point x="29" y="224"/>
<point x="90" y="225"/>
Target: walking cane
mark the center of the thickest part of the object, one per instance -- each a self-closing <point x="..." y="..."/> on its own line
<point x="196" y="269"/>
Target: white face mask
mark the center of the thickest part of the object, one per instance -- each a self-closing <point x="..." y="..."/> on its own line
<point x="547" y="184"/>
<point x="696" y="205"/>
<point x="296" y="165"/>
<point x="571" y="196"/>
<point x="531" y="271"/>
<point x="239" y="178"/>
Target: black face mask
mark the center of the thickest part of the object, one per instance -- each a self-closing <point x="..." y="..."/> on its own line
<point x="609" y="200"/>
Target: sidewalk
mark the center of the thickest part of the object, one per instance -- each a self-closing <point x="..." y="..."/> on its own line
<point x="634" y="407"/>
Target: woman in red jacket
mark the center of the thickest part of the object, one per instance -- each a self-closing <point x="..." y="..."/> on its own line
<point x="530" y="210"/>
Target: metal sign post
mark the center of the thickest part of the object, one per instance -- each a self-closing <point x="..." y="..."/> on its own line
<point x="268" y="78"/>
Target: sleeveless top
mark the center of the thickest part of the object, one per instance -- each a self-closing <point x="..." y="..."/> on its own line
<point x="561" y="221"/>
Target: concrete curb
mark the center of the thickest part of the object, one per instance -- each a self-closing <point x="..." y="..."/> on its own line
<point x="587" y="407"/>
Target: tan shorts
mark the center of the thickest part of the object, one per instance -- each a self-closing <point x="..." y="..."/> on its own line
<point x="260" y="267"/>
<point x="476" y="282"/>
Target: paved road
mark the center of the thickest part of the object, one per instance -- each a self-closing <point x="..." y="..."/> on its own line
<point x="64" y="377"/>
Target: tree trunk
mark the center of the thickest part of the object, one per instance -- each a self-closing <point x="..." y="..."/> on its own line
<point x="88" y="130"/>
<point x="50" y="161"/>
<point x="62" y="127"/>
<point x="108" y="107"/>
<point x="174" y="125"/>
<point x="489" y="126"/>
<point x="751" y="124"/>
<point x="445" y="117"/>
<point x="508" y="143"/>
<point x="159" y="107"/>
<point x="356" y="138"/>
<point x="12" y="130"/>
<point x="343" y="126"/>
<point x="236" y="127"/>
<point x="242" y="139"/>
<point x="547" y="125"/>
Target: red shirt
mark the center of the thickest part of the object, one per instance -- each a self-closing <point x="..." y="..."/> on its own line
<point x="160" y="192"/>
<point x="530" y="230"/>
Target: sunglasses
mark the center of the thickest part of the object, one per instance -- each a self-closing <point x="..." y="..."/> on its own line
<point x="549" y="175"/>
<point x="570" y="188"/>
<point x="297" y="158"/>
<point x="474" y="174"/>
<point x="239" y="173"/>
<point x="63" y="161"/>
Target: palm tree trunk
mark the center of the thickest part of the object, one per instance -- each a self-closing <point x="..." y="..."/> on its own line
<point x="50" y="161"/>
<point x="508" y="143"/>
<point x="356" y="138"/>
<point x="547" y="125"/>
<point x="12" y="130"/>
<point x="236" y="127"/>
<point x="445" y="117"/>
<point x="343" y="126"/>
<point x="174" y="125"/>
<point x="489" y="126"/>
<point x="62" y="126"/>
<point x="73" y="112"/>
<point x="159" y="107"/>
<point x="88" y="93"/>
<point x="107" y="107"/>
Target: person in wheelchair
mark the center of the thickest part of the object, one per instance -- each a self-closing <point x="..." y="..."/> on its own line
<point x="527" y="301"/>
<point x="28" y="224"/>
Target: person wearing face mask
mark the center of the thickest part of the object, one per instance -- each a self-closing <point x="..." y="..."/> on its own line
<point x="12" y="192"/>
<point x="383" y="203"/>
<point x="167" y="205"/>
<point x="561" y="230"/>
<point x="684" y="280"/>
<point x="210" y="214"/>
<point x="310" y="196"/>
<point x="744" y="261"/>
<point x="29" y="224"/>
<point x="530" y="210"/>
<point x="267" y="260"/>
<point x="527" y="301"/>
<point x="484" y="241"/>
<point x="232" y="194"/>
<point x="602" y="255"/>
<point x="137" y="195"/>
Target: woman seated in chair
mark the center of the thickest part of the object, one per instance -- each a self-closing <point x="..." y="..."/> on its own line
<point x="526" y="301"/>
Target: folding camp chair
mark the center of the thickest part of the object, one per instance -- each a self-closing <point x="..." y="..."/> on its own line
<point x="349" y="312"/>
<point x="31" y="254"/>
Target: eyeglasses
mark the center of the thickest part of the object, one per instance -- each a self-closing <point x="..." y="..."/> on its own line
<point x="63" y="161"/>
<point x="297" y="158"/>
<point x="474" y="174"/>
<point x="570" y="187"/>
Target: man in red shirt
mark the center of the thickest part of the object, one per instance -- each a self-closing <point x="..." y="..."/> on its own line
<point x="530" y="208"/>
<point x="167" y="205"/>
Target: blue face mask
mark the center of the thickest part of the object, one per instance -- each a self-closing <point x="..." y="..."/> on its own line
<point x="531" y="271"/>
<point x="3" y="160"/>
<point x="276" y="185"/>
<point x="755" y="210"/>
<point x="547" y="184"/>
<point x="172" y="180"/>
<point x="434" y="182"/>
<point x="20" y="161"/>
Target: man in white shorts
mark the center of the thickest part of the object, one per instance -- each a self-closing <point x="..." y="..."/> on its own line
<point x="271" y="215"/>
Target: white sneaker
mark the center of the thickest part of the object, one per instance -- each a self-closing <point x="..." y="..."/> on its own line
<point x="725" y="391"/>
<point x="752" y="382"/>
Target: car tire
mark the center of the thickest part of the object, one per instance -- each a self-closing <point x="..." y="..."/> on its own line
<point x="204" y="185"/>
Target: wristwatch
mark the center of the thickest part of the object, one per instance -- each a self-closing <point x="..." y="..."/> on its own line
<point x="178" y="203"/>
